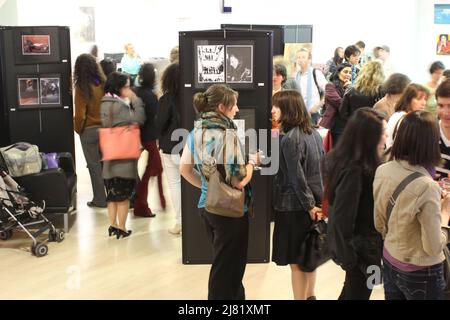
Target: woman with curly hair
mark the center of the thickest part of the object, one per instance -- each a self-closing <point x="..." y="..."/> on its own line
<point x="89" y="90"/>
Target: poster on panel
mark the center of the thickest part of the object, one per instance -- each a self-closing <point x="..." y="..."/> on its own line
<point x="28" y="91"/>
<point x="443" y="45"/>
<point x="210" y="64"/>
<point x="239" y="64"/>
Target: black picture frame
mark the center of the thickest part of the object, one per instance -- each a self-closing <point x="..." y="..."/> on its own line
<point x="27" y="91"/>
<point x="210" y="63"/>
<point x="33" y="45"/>
<point x="239" y="64"/>
<point x="50" y="90"/>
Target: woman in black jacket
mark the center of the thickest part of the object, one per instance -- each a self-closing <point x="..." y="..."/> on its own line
<point x="149" y="135"/>
<point x="349" y="170"/>
<point x="298" y="188"/>
<point x="168" y="120"/>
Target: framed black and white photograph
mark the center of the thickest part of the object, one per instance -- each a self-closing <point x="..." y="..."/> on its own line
<point x="36" y="45"/>
<point x="27" y="91"/>
<point x="33" y="45"/>
<point x="50" y="91"/>
<point x="210" y="63"/>
<point x="86" y="29"/>
<point x="239" y="63"/>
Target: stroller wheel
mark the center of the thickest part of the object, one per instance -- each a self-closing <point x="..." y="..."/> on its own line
<point x="39" y="250"/>
<point x="60" y="235"/>
<point x="6" y="234"/>
<point x="57" y="236"/>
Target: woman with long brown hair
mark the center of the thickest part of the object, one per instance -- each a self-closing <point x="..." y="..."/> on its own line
<point x="89" y="90"/>
<point x="414" y="98"/>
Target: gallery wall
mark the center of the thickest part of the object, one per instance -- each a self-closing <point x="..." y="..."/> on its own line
<point x="406" y="26"/>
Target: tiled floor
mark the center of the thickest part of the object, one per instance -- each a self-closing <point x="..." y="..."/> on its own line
<point x="147" y="265"/>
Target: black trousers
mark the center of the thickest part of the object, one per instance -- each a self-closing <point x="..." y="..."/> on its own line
<point x="355" y="286"/>
<point x="229" y="237"/>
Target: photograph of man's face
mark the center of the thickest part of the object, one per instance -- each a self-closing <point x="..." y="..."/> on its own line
<point x="239" y="64"/>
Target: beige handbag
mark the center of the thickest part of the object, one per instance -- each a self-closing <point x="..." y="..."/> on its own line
<point x="221" y="198"/>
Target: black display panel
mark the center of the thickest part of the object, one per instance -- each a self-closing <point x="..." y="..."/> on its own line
<point x="254" y="104"/>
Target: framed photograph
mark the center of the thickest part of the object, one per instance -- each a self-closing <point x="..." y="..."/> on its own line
<point x="28" y="91"/>
<point x="210" y="64"/>
<point x="239" y="66"/>
<point x="443" y="45"/>
<point x="36" y="45"/>
<point x="50" y="91"/>
<point x="86" y="29"/>
<point x="442" y="13"/>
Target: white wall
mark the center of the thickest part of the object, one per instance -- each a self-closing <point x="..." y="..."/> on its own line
<point x="406" y="26"/>
<point x="426" y="39"/>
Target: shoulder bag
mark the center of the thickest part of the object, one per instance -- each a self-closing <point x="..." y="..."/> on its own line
<point x="221" y="198"/>
<point x="120" y="143"/>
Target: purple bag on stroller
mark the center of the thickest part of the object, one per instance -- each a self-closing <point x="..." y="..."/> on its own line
<point x="50" y="160"/>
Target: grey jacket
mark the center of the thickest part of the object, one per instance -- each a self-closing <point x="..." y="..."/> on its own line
<point x="121" y="114"/>
<point x="298" y="183"/>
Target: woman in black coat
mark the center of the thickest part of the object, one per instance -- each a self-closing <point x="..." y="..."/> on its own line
<point x="168" y="121"/>
<point x="149" y="136"/>
<point x="349" y="170"/>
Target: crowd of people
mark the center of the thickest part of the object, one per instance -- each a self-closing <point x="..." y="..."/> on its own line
<point x="107" y="98"/>
<point x="375" y="176"/>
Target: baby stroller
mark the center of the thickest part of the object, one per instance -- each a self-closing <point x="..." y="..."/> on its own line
<point x="18" y="212"/>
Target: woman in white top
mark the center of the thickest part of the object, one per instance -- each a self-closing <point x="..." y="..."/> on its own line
<point x="414" y="98"/>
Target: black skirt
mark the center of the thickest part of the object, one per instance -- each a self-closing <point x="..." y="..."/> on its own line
<point x="119" y="189"/>
<point x="289" y="233"/>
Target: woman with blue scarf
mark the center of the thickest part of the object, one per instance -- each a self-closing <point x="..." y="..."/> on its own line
<point x="217" y="107"/>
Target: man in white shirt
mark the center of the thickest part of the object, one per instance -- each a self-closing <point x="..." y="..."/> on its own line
<point x="383" y="54"/>
<point x="311" y="83"/>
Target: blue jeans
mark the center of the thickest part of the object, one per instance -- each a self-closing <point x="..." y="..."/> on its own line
<point x="425" y="284"/>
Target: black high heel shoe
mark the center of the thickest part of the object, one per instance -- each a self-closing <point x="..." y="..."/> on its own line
<point x="112" y="230"/>
<point x="123" y="234"/>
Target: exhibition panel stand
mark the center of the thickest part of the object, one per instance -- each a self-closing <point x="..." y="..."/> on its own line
<point x="207" y="57"/>
<point x="36" y="107"/>
<point x="35" y="82"/>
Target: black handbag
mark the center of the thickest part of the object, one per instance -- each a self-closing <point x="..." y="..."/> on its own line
<point x="314" y="250"/>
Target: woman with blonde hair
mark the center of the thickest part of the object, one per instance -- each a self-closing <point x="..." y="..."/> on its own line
<point x="367" y="91"/>
<point x="131" y="62"/>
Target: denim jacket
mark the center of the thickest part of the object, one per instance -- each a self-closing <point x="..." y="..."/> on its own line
<point x="298" y="183"/>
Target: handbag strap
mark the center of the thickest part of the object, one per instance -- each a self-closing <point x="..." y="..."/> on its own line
<point x="391" y="203"/>
<point x="110" y="116"/>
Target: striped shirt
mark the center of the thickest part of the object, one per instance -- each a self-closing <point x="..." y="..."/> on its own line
<point x="444" y="145"/>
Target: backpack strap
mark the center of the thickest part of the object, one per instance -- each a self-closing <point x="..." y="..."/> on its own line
<point x="317" y="84"/>
<point x="391" y="203"/>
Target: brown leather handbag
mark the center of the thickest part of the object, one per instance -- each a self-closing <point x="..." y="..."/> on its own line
<point x="221" y="198"/>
